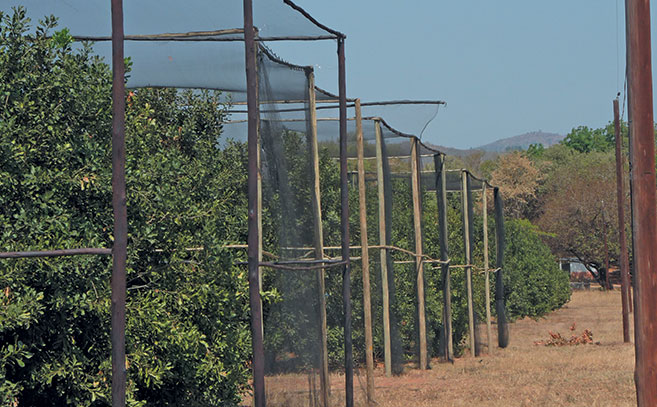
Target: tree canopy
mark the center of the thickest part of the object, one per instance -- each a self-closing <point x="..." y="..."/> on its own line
<point x="187" y="336"/>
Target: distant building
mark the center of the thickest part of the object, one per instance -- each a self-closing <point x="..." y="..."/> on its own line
<point x="580" y="277"/>
<point x="572" y="265"/>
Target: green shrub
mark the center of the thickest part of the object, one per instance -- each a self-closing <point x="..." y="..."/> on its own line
<point x="187" y="318"/>
<point x="534" y="283"/>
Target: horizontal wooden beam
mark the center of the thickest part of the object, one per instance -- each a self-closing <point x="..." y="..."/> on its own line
<point x="56" y="253"/>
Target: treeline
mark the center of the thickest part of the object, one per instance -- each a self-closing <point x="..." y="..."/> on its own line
<point x="568" y="191"/>
<point x="188" y="336"/>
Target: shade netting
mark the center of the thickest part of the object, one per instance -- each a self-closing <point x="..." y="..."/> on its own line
<point x="195" y="44"/>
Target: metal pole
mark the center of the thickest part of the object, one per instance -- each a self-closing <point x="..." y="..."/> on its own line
<point x="253" y="238"/>
<point x="383" y="252"/>
<point x="644" y="199"/>
<point x="319" y="239"/>
<point x="620" y="199"/>
<point x="365" y="256"/>
<point x="120" y="250"/>
<point x="468" y="259"/>
<point x="441" y="190"/>
<point x="484" y="205"/>
<point x="344" y="195"/>
<point x="419" y="268"/>
<point x="502" y="326"/>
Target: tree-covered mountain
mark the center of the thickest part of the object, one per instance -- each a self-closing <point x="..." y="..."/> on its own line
<point x="520" y="142"/>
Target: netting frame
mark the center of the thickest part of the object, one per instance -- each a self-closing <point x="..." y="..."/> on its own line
<point x="119" y="251"/>
<point x="467" y="215"/>
<point x="119" y="204"/>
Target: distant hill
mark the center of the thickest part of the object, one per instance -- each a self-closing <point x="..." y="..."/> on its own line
<point x="521" y="142"/>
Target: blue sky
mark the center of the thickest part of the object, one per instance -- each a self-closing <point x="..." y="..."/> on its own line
<point x="504" y="67"/>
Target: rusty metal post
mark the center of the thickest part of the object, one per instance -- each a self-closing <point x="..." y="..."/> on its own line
<point x="119" y="205"/>
<point x="253" y="239"/>
<point x="644" y="198"/>
<point x="620" y="200"/>
<point x="441" y="191"/>
<point x="344" y="198"/>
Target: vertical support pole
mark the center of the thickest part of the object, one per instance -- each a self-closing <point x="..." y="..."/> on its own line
<point x="468" y="259"/>
<point x="319" y="239"/>
<point x="387" y="354"/>
<point x="365" y="256"/>
<point x="484" y="204"/>
<point x="630" y="285"/>
<point x="419" y="268"/>
<point x="259" y="214"/>
<point x="441" y="190"/>
<point x="620" y="200"/>
<point x="500" y="308"/>
<point x="606" y="248"/>
<point x="644" y="198"/>
<point x="632" y="269"/>
<point x="477" y="340"/>
<point x="253" y="238"/>
<point x="119" y="205"/>
<point x="344" y="197"/>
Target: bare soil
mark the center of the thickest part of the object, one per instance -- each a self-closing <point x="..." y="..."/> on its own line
<point x="524" y="374"/>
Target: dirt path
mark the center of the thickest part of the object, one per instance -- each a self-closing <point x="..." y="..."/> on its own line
<point x="524" y="374"/>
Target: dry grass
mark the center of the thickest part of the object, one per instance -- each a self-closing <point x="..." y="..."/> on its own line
<point x="524" y="374"/>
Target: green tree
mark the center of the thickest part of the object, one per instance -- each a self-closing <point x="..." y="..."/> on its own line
<point x="585" y="140"/>
<point x="535" y="150"/>
<point x="578" y="206"/>
<point x="187" y="323"/>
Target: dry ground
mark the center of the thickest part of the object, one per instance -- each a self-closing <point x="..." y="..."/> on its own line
<point x="524" y="374"/>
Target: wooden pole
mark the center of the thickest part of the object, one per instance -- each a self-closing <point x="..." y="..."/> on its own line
<point x="258" y="362"/>
<point x="387" y="354"/>
<point x="120" y="212"/>
<point x="344" y="225"/>
<point x="365" y="257"/>
<point x="500" y="308"/>
<point x="477" y="341"/>
<point x="620" y="200"/>
<point x="606" y="248"/>
<point x="484" y="202"/>
<point x="419" y="268"/>
<point x="468" y="259"/>
<point x="259" y="213"/>
<point x="259" y="186"/>
<point x="441" y="190"/>
<point x="324" y="378"/>
<point x="644" y="198"/>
